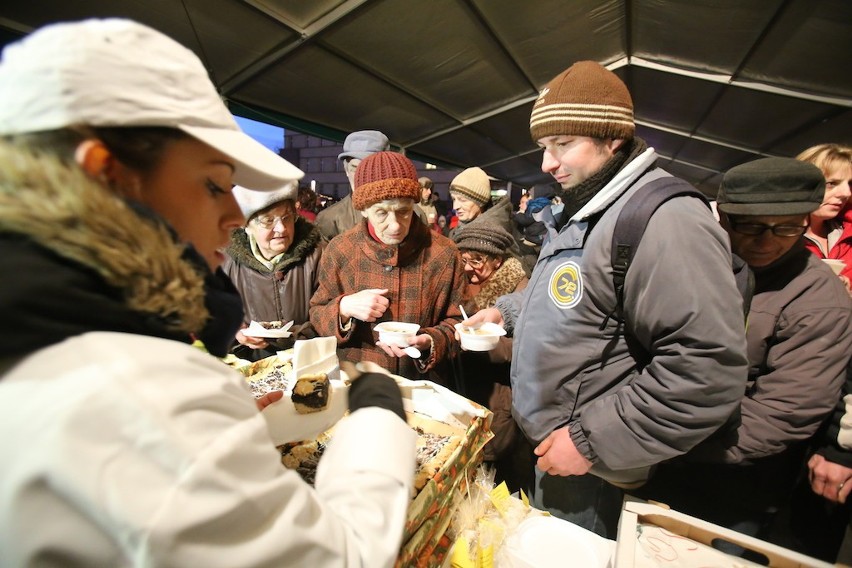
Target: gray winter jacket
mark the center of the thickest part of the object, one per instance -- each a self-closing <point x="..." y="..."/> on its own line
<point x="629" y="406"/>
<point x="799" y="342"/>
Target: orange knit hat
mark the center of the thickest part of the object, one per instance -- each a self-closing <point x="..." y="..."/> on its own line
<point x="384" y="175"/>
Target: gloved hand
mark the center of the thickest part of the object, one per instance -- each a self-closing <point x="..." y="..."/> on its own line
<point x="372" y="385"/>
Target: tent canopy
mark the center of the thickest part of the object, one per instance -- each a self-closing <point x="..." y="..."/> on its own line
<point x="715" y="83"/>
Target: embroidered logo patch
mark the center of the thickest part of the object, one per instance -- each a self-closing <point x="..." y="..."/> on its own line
<point x="566" y="285"/>
<point x="541" y="96"/>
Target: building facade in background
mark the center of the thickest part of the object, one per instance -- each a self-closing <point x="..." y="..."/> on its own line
<point x="317" y="157"/>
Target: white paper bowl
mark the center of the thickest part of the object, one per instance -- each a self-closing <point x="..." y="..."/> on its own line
<point x="396" y="332"/>
<point x="484" y="338"/>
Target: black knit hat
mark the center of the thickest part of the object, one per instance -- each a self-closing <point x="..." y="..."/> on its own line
<point x="771" y="186"/>
<point x="484" y="237"/>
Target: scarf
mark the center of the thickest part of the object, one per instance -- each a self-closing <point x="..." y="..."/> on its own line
<point x="576" y="197"/>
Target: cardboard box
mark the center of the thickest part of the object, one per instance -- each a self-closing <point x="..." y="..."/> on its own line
<point x="652" y="536"/>
<point x="438" y="410"/>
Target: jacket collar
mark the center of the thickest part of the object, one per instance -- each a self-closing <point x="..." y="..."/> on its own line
<point x="783" y="271"/>
<point x="617" y="185"/>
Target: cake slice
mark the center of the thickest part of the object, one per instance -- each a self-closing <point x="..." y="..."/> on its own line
<point x="310" y="393"/>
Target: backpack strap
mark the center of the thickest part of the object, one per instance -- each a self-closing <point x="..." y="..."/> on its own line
<point x="631" y="224"/>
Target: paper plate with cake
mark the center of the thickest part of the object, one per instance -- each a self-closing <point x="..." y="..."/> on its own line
<point x="315" y="396"/>
<point x="271" y="329"/>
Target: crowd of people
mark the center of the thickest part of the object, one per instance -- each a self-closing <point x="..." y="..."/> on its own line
<point x="135" y="221"/>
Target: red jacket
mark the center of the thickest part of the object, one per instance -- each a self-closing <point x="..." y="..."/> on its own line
<point x="842" y="249"/>
<point x="425" y="279"/>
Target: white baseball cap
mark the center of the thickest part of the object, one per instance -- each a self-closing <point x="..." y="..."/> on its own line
<point x="117" y="72"/>
<point x="251" y="202"/>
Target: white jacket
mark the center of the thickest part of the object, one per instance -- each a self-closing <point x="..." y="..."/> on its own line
<point x="125" y="450"/>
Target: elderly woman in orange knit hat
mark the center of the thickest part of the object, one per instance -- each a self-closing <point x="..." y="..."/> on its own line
<point x="390" y="269"/>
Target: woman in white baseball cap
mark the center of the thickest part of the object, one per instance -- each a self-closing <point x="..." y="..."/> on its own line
<point x="124" y="444"/>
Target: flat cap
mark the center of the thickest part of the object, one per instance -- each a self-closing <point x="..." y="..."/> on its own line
<point x="771" y="186"/>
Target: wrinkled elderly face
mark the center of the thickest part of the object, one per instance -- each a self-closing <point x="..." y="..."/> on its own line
<point x="390" y="219"/>
<point x="760" y="240"/>
<point x="274" y="228"/>
<point x="466" y="209"/>
<point x="479" y="267"/>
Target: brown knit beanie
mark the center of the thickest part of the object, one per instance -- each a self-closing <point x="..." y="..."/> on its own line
<point x="584" y="100"/>
<point x="484" y="237"/>
<point x="384" y="175"/>
<point x="473" y="183"/>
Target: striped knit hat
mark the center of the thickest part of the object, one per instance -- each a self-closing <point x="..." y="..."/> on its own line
<point x="384" y="175"/>
<point x="473" y="183"/>
<point x="584" y="100"/>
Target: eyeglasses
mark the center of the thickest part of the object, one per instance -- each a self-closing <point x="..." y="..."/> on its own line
<point x="474" y="263"/>
<point x="755" y="229"/>
<point x="269" y="221"/>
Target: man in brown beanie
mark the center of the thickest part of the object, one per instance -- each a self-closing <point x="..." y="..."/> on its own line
<point x="388" y="268"/>
<point x="597" y="394"/>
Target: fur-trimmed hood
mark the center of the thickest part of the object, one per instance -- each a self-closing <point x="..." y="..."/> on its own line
<point x="59" y="209"/>
<point x="505" y="280"/>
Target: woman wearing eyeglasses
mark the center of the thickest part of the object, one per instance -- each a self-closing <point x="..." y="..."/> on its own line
<point x="273" y="261"/>
<point x="491" y="272"/>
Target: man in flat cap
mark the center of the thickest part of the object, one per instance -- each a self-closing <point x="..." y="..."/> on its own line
<point x="799" y="342"/>
<point x="596" y="390"/>
<point x="342" y="216"/>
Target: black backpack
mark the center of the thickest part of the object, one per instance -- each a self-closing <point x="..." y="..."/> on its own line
<point x="631" y="224"/>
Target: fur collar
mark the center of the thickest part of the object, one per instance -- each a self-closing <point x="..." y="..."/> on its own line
<point x="58" y="207"/>
<point x="504" y="281"/>
<point x="305" y="240"/>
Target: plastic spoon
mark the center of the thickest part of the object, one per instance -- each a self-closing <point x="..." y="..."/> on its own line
<point x="412" y="352"/>
<point x="467" y="328"/>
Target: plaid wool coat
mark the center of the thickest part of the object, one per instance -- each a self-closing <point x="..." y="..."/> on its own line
<point x="425" y="282"/>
